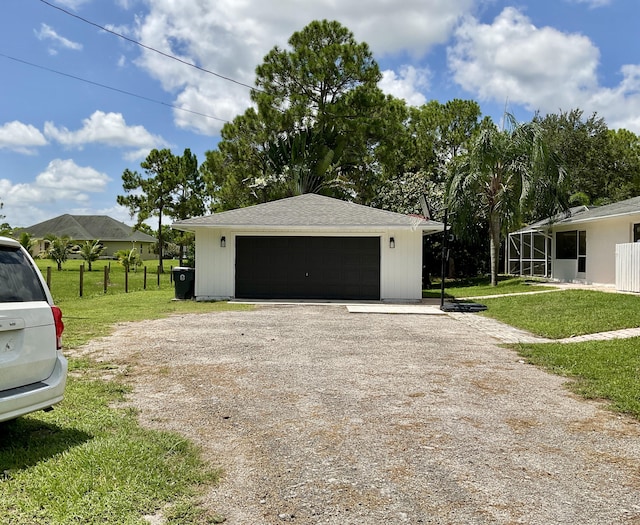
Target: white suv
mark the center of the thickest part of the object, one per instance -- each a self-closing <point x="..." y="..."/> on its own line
<point x="33" y="371"/>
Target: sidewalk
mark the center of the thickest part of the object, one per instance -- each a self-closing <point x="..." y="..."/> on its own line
<point x="508" y="334"/>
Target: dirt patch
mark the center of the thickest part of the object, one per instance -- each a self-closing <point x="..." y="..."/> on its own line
<point x="318" y="416"/>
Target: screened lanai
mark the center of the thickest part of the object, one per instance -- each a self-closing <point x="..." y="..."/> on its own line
<point x="529" y="250"/>
<point x="529" y="253"/>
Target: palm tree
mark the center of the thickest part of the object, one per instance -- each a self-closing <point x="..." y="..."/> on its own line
<point x="494" y="180"/>
<point x="90" y="251"/>
<point x="59" y="248"/>
<point x="27" y="241"/>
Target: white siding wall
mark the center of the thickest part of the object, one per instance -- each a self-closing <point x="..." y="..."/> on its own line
<point x="602" y="237"/>
<point x="400" y="267"/>
<point x="215" y="266"/>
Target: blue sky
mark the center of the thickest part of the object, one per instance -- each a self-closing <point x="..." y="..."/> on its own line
<point x="64" y="143"/>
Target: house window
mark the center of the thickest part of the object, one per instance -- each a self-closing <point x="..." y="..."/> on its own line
<point x="567" y="245"/>
<point x="636" y="233"/>
<point x="582" y="251"/>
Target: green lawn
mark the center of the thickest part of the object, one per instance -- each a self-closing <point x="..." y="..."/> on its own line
<point x="567" y="313"/>
<point x="481" y="286"/>
<point x="602" y="369"/>
<point x="607" y="370"/>
<point x="65" y="284"/>
<point x="89" y="461"/>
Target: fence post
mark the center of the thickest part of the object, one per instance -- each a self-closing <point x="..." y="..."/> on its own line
<point x="158" y="276"/>
<point x="144" y="284"/>
<point x="126" y="280"/>
<point x="49" y="277"/>
<point x="81" y="279"/>
<point x="106" y="278"/>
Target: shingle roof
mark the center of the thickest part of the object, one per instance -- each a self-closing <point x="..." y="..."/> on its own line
<point x="616" y="209"/>
<point x="87" y="228"/>
<point x="308" y="211"/>
<point x="585" y="214"/>
<point x="535" y="226"/>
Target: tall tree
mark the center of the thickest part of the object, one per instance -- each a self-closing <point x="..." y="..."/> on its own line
<point x="495" y="178"/>
<point x="151" y="194"/>
<point x="317" y="121"/>
<point x="421" y="144"/>
<point x="240" y="158"/>
<point x="623" y="172"/>
<point x="583" y="143"/>
<point x="188" y="196"/>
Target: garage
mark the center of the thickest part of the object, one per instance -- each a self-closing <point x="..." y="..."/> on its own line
<point x="309" y="247"/>
<point x="296" y="267"/>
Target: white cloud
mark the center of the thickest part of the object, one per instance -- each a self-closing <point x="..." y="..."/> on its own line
<point x="22" y="138"/>
<point x="62" y="183"/>
<point x="592" y="4"/>
<point x="108" y="129"/>
<point x="232" y="38"/>
<point x="72" y="4"/>
<point x="65" y="179"/>
<point x="47" y="33"/>
<point x="620" y="105"/>
<point x="408" y="84"/>
<point x="540" y="69"/>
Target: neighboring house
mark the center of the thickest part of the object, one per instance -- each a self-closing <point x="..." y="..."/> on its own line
<point x="112" y="234"/>
<point x="309" y="247"/>
<point x="577" y="247"/>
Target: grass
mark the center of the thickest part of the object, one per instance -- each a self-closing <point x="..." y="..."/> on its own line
<point x="606" y="370"/>
<point x="567" y="313"/>
<point x="89" y="461"/>
<point x="601" y="369"/>
<point x="65" y="284"/>
<point x="94" y="314"/>
<point x="481" y="286"/>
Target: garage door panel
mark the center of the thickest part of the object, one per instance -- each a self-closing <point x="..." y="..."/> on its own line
<point x="308" y="267"/>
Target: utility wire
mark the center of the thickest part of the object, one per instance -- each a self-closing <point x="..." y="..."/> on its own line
<point x="148" y="99"/>
<point x="149" y="48"/>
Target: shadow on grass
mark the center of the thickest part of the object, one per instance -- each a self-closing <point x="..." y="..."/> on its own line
<point x="24" y="442"/>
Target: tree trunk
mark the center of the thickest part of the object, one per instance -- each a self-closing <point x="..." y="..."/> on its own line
<point x="494" y="234"/>
<point x="160" y="243"/>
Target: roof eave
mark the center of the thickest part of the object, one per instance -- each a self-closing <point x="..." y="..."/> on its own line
<point x="430" y="227"/>
<point x="577" y="220"/>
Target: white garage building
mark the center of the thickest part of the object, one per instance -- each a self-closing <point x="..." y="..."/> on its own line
<point x="309" y="247"/>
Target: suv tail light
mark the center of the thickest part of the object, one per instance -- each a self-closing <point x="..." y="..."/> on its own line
<point x="57" y="318"/>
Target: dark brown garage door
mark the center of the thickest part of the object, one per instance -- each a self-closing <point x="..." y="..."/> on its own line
<point x="308" y="267"/>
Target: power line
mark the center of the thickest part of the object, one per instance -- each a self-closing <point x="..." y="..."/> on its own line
<point x="118" y="90"/>
<point x="149" y="48"/>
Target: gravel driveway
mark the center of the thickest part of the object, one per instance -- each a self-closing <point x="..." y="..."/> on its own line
<point x="318" y="416"/>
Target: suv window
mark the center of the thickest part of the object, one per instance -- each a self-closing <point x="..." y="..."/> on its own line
<point x="18" y="279"/>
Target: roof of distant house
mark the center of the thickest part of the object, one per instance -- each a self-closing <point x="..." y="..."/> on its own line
<point x="88" y="228"/>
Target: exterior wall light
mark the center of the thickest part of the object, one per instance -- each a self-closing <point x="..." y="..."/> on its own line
<point x="223" y="242"/>
<point x="392" y="242"/>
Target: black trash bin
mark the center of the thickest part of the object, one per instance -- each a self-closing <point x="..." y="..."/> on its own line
<point x="184" y="281"/>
